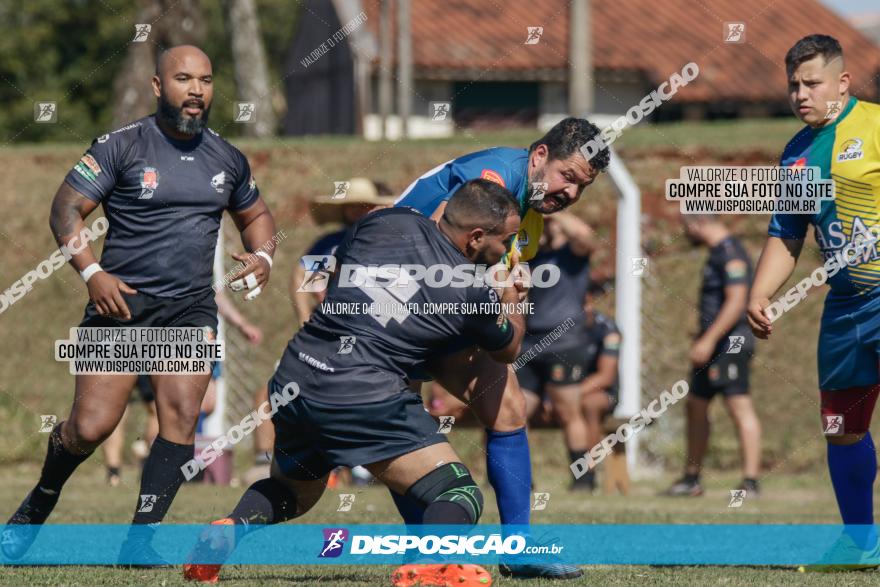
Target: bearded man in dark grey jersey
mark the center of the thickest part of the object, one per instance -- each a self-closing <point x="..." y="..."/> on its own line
<point x="164" y="182"/>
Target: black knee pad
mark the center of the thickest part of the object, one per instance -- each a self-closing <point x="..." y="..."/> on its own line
<point x="453" y="483"/>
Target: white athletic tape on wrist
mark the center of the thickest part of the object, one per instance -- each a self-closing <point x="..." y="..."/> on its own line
<point x="253" y="294"/>
<point x="87" y="273"/>
<point x="250" y="281"/>
<point x="266" y="256"/>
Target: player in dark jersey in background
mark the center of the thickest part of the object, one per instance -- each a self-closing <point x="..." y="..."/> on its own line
<point x="558" y="367"/>
<point x="350" y="367"/>
<point x="600" y="389"/>
<point x="721" y="353"/>
<point x="164" y="182"/>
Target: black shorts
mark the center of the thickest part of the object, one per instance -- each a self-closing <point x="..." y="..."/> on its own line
<point x="728" y="374"/>
<point x="150" y="311"/>
<point x="565" y="367"/>
<point x="311" y="438"/>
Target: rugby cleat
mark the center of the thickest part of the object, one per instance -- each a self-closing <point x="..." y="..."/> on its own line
<point x="437" y="575"/>
<point x="22" y="528"/>
<point x="137" y="552"/>
<point x="685" y="487"/>
<point x="843" y="556"/>
<point x="551" y="567"/>
<point x="212" y="546"/>
<point x="554" y="570"/>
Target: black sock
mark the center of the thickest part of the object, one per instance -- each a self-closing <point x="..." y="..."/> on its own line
<point x="59" y="465"/>
<point x="162" y="477"/>
<point x="267" y="501"/>
<point x="692" y="477"/>
<point x="589" y="477"/>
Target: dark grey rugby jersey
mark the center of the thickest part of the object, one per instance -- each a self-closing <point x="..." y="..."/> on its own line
<point x="728" y="264"/>
<point x="564" y="301"/>
<point x="163" y="199"/>
<point x="354" y="357"/>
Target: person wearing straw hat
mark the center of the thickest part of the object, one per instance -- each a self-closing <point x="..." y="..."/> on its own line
<point x="353" y="200"/>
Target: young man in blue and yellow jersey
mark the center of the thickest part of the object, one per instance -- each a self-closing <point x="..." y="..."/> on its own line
<point x="842" y="138"/>
<point x="545" y="178"/>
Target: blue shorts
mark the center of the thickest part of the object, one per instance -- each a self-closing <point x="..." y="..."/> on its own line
<point x="849" y="343"/>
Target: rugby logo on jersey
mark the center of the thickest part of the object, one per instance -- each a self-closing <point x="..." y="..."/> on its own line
<point x="852" y="150"/>
<point x="736" y="269"/>
<point x="217" y="182"/>
<point x="492" y="176"/>
<point x="103" y="138"/>
<point x="88" y="167"/>
<point x="149" y="182"/>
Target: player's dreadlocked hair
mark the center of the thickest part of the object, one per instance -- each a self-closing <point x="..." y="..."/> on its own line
<point x="480" y="203"/>
<point x="568" y="136"/>
<point x="812" y="46"/>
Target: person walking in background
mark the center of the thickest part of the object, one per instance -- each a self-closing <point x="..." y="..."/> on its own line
<point x="721" y="353"/>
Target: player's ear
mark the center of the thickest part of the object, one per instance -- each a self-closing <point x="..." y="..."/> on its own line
<point x="476" y="237"/>
<point x="157" y="86"/>
<point x="539" y="155"/>
<point x="844" y="83"/>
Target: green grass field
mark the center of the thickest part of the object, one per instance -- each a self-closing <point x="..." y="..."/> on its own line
<point x="796" y="484"/>
<point x="805" y="498"/>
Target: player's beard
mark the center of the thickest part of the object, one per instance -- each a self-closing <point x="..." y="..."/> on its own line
<point x="539" y="205"/>
<point x="175" y="118"/>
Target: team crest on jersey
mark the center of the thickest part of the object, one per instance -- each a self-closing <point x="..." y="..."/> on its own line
<point x="217" y="181"/>
<point x="736" y="269"/>
<point x="611" y="342"/>
<point x="852" y="150"/>
<point x="149" y="182"/>
<point x="88" y="167"/>
<point x="492" y="176"/>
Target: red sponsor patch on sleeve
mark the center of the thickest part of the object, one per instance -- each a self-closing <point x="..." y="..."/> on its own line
<point x="492" y="176"/>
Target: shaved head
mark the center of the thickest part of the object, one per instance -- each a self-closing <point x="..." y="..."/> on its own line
<point x="184" y="88"/>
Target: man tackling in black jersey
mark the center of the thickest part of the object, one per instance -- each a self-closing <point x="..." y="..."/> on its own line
<point x="354" y="405"/>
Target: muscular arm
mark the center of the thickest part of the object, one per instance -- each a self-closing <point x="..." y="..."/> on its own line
<point x="67" y="221"/>
<point x="777" y="263"/>
<point x="257" y="228"/>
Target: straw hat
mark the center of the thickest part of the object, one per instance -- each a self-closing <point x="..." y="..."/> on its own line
<point x="360" y="190"/>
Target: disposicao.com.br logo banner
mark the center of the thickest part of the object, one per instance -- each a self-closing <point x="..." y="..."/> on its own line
<point x="309" y="544"/>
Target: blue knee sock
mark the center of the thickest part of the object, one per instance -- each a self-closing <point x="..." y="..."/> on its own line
<point x="853" y="468"/>
<point x="410" y="509"/>
<point x="509" y="468"/>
